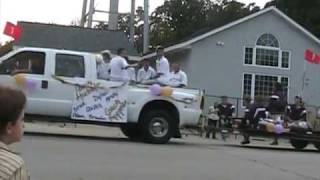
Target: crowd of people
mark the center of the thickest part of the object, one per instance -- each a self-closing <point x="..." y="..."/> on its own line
<point x="118" y="68"/>
<point x="276" y="108"/>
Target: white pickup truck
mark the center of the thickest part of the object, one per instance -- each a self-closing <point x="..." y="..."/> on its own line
<point x="154" y="119"/>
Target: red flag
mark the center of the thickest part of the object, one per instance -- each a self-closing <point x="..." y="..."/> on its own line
<point x="13" y="31"/>
<point x="309" y="56"/>
<point x="317" y="59"/>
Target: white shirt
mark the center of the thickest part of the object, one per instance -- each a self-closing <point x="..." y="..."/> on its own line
<point x="131" y="74"/>
<point x="178" y="79"/>
<point x="103" y="71"/>
<point x="145" y="75"/>
<point x="164" y="68"/>
<point x="118" y="71"/>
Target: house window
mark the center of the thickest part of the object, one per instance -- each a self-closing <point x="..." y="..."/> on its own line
<point x="248" y="55"/>
<point x="267" y="53"/>
<point x="247" y="81"/>
<point x="261" y="85"/>
<point x="267" y="57"/>
<point x="285" y="59"/>
<point x="69" y="65"/>
<point x="268" y="40"/>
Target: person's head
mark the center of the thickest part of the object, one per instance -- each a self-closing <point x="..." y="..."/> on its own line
<point x="259" y="100"/>
<point x="12" y="103"/>
<point x="224" y="99"/>
<point x="277" y="88"/>
<point x="106" y="56"/>
<point x="247" y="100"/>
<point x="146" y="64"/>
<point x="176" y="67"/>
<point x="122" y="52"/>
<point x="160" y="51"/>
<point x="298" y="100"/>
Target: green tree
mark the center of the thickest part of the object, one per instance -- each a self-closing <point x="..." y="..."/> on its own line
<point x="306" y="13"/>
<point x="177" y="20"/>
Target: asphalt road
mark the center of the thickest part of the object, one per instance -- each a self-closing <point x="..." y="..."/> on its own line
<point x="57" y="158"/>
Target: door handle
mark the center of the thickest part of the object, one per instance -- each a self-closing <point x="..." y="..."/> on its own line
<point x="44" y="84"/>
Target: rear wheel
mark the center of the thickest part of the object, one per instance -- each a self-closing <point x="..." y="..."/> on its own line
<point x="298" y="144"/>
<point x="317" y="145"/>
<point x="157" y="126"/>
<point x="132" y="131"/>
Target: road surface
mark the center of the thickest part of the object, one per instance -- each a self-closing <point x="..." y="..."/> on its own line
<point x="52" y="158"/>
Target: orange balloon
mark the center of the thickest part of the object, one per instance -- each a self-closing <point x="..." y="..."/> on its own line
<point x="166" y="91"/>
<point x="270" y="127"/>
<point x="20" y="79"/>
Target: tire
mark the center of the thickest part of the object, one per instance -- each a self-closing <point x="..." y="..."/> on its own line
<point x="317" y="145"/>
<point x="157" y="126"/>
<point x="299" y="144"/>
<point x="132" y="131"/>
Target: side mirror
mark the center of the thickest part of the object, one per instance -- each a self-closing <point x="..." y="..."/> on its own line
<point x="318" y="113"/>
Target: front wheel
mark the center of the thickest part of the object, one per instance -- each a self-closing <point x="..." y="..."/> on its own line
<point x="157" y="126"/>
<point x="298" y="144"/>
<point x="132" y="131"/>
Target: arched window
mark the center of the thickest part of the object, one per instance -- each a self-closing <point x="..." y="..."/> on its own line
<point x="268" y="40"/>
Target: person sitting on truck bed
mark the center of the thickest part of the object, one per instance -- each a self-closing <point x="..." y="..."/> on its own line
<point x="119" y="66"/>
<point x="225" y="112"/>
<point x="103" y="67"/>
<point x="177" y="77"/>
<point x="146" y="73"/>
<point x="256" y="112"/>
<point x="296" y="111"/>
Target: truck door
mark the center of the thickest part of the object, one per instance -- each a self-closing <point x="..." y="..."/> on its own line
<point x="70" y="67"/>
<point x="30" y="67"/>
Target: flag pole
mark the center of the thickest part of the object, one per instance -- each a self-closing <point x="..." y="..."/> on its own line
<point x="304" y="76"/>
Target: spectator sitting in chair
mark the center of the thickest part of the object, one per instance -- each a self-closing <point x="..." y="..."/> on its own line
<point x="276" y="105"/>
<point x="296" y="111"/>
<point x="256" y="112"/>
<point x="225" y="112"/>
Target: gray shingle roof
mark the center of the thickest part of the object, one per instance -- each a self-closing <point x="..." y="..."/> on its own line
<point x="73" y="38"/>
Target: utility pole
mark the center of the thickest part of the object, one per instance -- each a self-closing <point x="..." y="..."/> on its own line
<point x="146" y="27"/>
<point x="113" y="14"/>
<point x="91" y="12"/>
<point x="83" y="14"/>
<point x="132" y="18"/>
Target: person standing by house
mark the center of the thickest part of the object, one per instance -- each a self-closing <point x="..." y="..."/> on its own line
<point x="146" y="73"/>
<point x="12" y="103"/>
<point x="178" y="78"/>
<point x="119" y="66"/>
<point x="162" y="66"/>
<point x="213" y="118"/>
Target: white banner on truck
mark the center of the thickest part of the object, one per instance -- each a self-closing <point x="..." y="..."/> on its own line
<point x="100" y="104"/>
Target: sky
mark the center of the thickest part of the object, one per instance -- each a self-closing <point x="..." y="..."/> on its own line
<point x="64" y="11"/>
